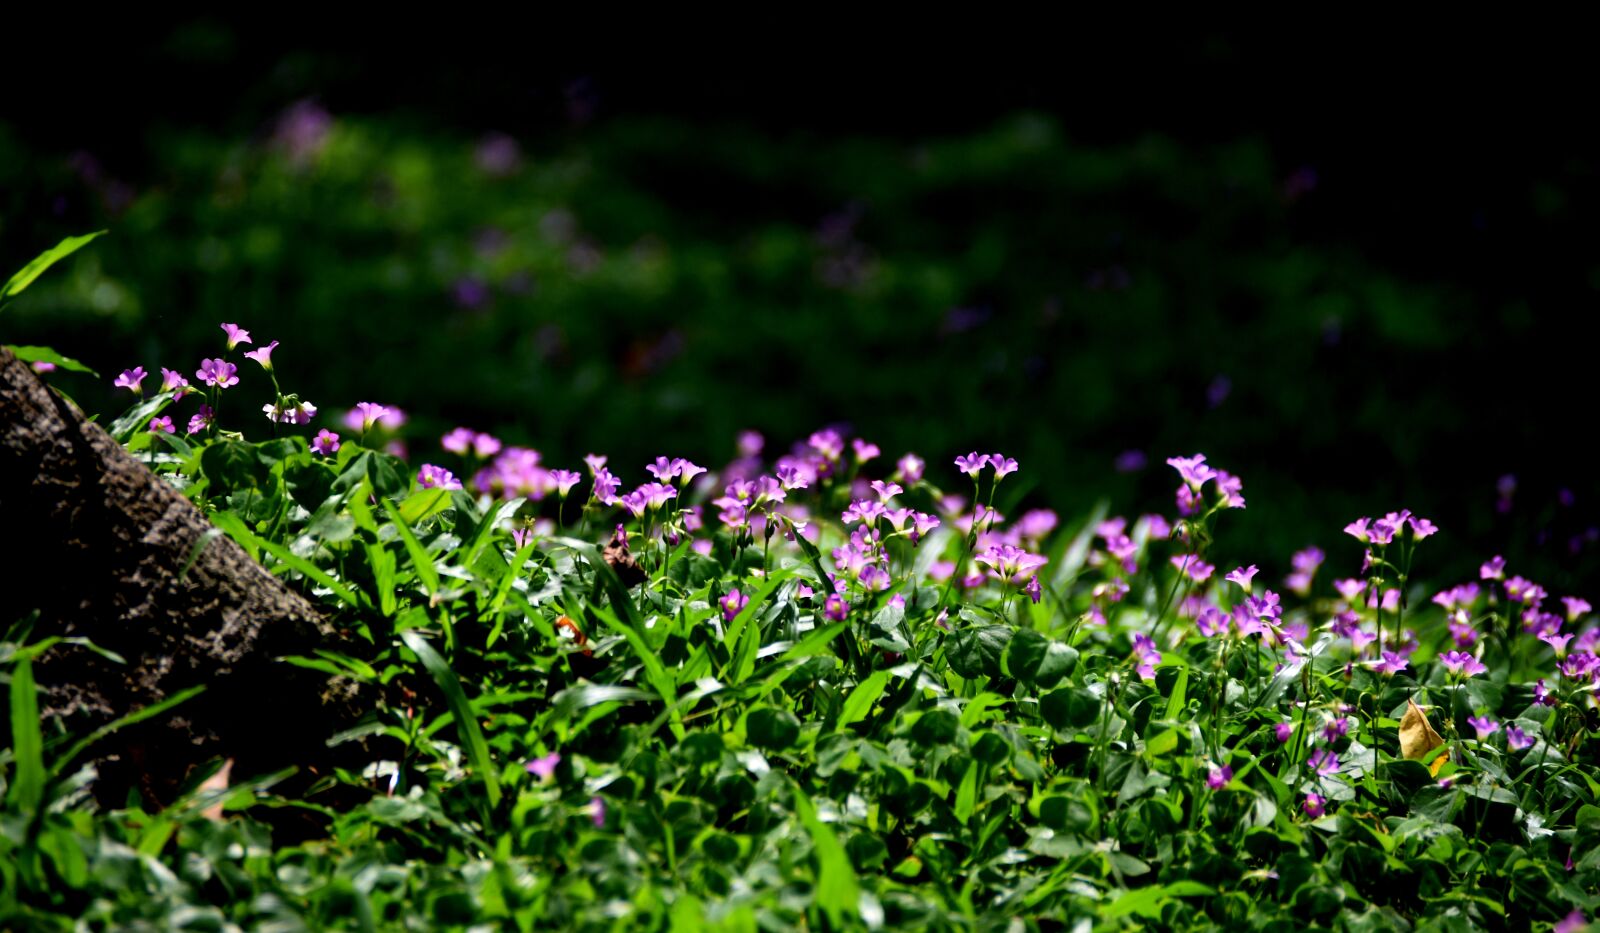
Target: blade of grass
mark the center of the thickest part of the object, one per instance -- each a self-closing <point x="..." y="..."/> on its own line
<point x="461" y="709"/>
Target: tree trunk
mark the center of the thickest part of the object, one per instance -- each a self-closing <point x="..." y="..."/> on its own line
<point x="98" y="544"/>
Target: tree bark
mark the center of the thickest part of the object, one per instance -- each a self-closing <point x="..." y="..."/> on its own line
<point x="98" y="544"/>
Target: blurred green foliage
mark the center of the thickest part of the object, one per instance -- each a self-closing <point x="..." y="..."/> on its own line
<point x="648" y="285"/>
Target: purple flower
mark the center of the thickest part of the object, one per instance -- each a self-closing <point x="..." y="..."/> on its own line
<point x="732" y="604"/>
<point x="326" y="443"/>
<point x="1576" y="608"/>
<point x="1282" y="731"/>
<point x="1130" y="461"/>
<point x="1315" y="805"/>
<point x="836" y="609"/>
<point x="1323" y="762"/>
<point x="43" y="366"/>
<point x="1212" y="622"/>
<point x="1574" y="922"/>
<point x="236" y="335"/>
<point x="1336" y="728"/>
<point x="201" y="420"/>
<point x="564" y="480"/>
<point x="264" y="355"/>
<point x="545" y="767"/>
<point x="908" y="469"/>
<point x="1421" y="527"/>
<point x="1360" y="530"/>
<point x="1003" y="466"/>
<point x="1193" y="567"/>
<point x="864" y="450"/>
<point x="1484" y="726"/>
<point x="160" y="424"/>
<point x="219" y="373"/>
<point x="1033" y="589"/>
<point x="130" y="380"/>
<point x="365" y="415"/>
<point x="1218" y="778"/>
<point x="1390" y="665"/>
<point x="597" y="811"/>
<point x="1461" y="663"/>
<point x="1558" y="642"/>
<point x="971" y="463"/>
<point x="1229" y="488"/>
<point x="458" y="441"/>
<point x="873" y="577"/>
<point x="1242" y="576"/>
<point x="1493" y="569"/>
<point x="1517" y="740"/>
<point x="1193" y="470"/>
<point x="886" y="491"/>
<point x="436" y="477"/>
<point x="172" y="379"/>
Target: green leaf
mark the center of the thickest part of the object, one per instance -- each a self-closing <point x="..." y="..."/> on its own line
<point x="424" y="503"/>
<point x="421" y="560"/>
<point x="236" y="529"/>
<point x="460" y="709"/>
<point x="859" y="703"/>
<point x="47" y="355"/>
<point x="27" y="741"/>
<point x="1069" y="708"/>
<point x="154" y="709"/>
<point x="975" y="651"/>
<point x="772" y="729"/>
<point x="967" y="793"/>
<point x="837" y="892"/>
<point x="138" y="417"/>
<point x="231" y="465"/>
<point x="15" y="285"/>
<point x="1036" y="660"/>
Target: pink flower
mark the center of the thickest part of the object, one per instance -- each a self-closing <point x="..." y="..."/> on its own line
<point x="597" y="811"/>
<point x="1193" y="470"/>
<point x="1576" y="608"/>
<point x="435" y="477"/>
<point x="909" y="468"/>
<point x="1315" y="805"/>
<point x="326" y="443"/>
<point x="564" y="480"/>
<point x="972" y="463"/>
<point x="544" y="767"/>
<point x="201" y="420"/>
<point x="1282" y="731"/>
<point x="1460" y="662"/>
<point x="264" y="355"/>
<point x="1218" y="778"/>
<point x="236" y="335"/>
<point x="1003" y="466"/>
<point x="130" y="380"/>
<point x="1484" y="726"/>
<point x="172" y="379"/>
<point x="864" y="450"/>
<point x="1517" y="740"/>
<point x="219" y="373"/>
<point x="1242" y="576"/>
<point x="1359" y="530"/>
<point x="1493" y="569"/>
<point x="43" y="366"/>
<point x="732" y="604"/>
<point x="161" y="424"/>
<point x="290" y="410"/>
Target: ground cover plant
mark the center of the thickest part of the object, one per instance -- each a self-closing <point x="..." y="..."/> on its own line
<point x="821" y="685"/>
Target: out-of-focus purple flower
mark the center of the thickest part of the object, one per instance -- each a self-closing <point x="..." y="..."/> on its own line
<point x="1461" y="663"/>
<point x="1242" y="576"/>
<point x="1130" y="461"/>
<point x="130" y="379"/>
<point x="1229" y="489"/>
<point x="1336" y="729"/>
<point x="1360" y="529"/>
<point x="1034" y="590"/>
<point x="201" y="420"/>
<point x="236" y="335"/>
<point x="835" y="609"/>
<point x="544" y="767"/>
<point x="326" y="443"/>
<point x="732" y="604"/>
<point x="43" y="366"/>
<point x="864" y="450"/>
<point x="1315" y="805"/>
<point x="1574" y="922"/>
<point x="1212" y="622"/>
<point x="1493" y="569"/>
<point x="564" y="481"/>
<point x="364" y="416"/>
<point x="302" y="131"/>
<point x="1541" y="694"/>
<point x="1003" y="466"/>
<point x="1390" y="665"/>
<point x="1193" y="567"/>
<point x="263" y="355"/>
<point x="909" y="468"/>
<point x="1576" y="608"/>
<point x="219" y="373"/>
<point x="1518" y="740"/>
<point x="886" y="491"/>
<point x="1421" y="527"/>
<point x="1323" y="762"/>
<point x="162" y="424"/>
<point x="1218" y="390"/>
<point x="458" y="441"/>
<point x="750" y="443"/>
<point x="497" y="155"/>
<point x="1265" y="608"/>
<point x="1484" y="726"/>
<point x="1282" y="731"/>
<point x="171" y="379"/>
<point x="597" y="811"/>
<point x="1556" y="641"/>
<point x="1505" y="487"/>
<point x="1218" y="778"/>
<point x="1193" y="470"/>
<point x="470" y="293"/>
<point x="436" y="477"/>
<point x="972" y="463"/>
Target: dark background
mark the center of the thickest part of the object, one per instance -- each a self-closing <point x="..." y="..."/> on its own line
<point x="1359" y="271"/>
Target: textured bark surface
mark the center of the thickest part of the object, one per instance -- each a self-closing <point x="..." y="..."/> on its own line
<point x="98" y="544"/>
